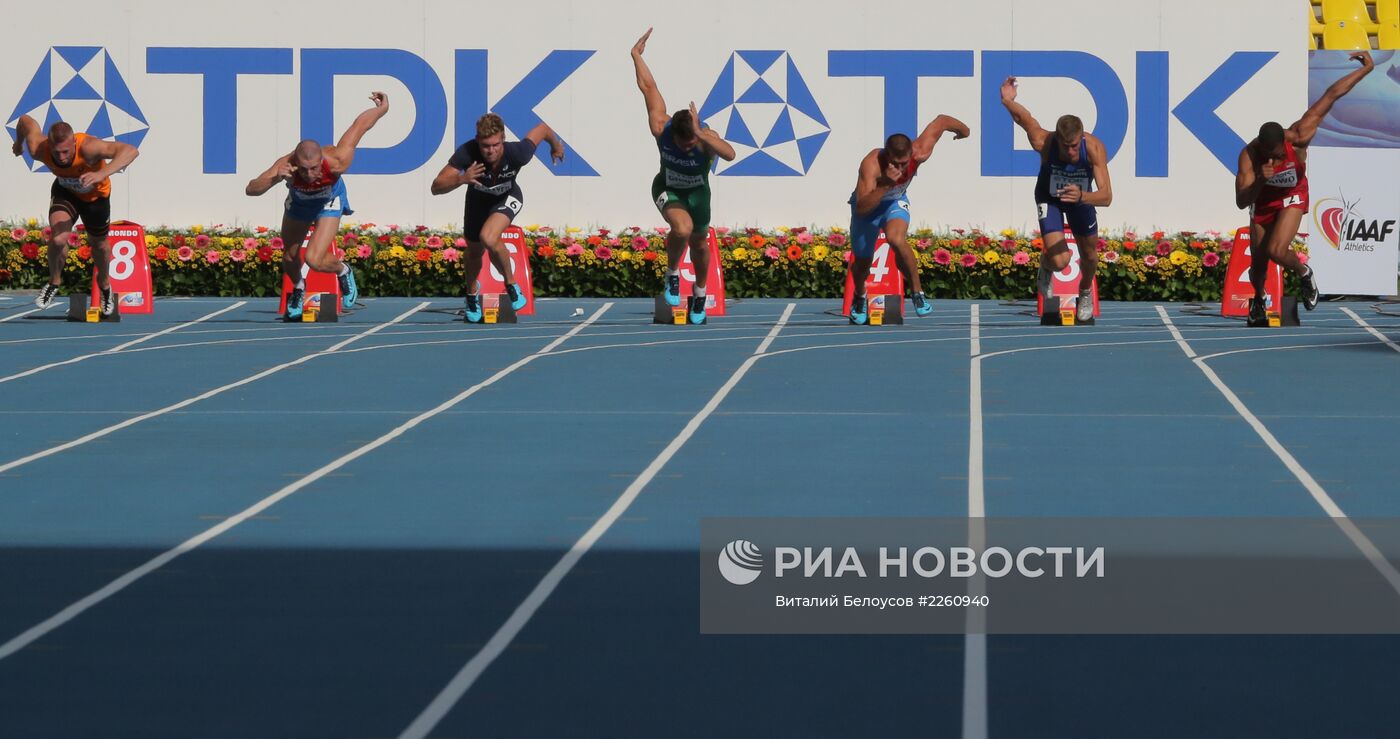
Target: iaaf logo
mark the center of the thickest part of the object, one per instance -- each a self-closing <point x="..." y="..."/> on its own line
<point x="1344" y="230"/>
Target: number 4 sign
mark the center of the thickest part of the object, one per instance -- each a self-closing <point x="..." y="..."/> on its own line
<point x="129" y="271"/>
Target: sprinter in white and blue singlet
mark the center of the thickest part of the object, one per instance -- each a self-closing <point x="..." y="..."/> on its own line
<point x="880" y="202"/>
<point x="316" y="194"/>
<point x="1073" y="181"/>
<point x="488" y="166"/>
<point x="681" y="190"/>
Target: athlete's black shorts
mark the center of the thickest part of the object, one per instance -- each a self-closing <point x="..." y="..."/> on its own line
<point x="96" y="215"/>
<point x="480" y="208"/>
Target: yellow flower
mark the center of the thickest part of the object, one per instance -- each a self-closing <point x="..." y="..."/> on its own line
<point x="1179" y="257"/>
<point x="990" y="256"/>
<point x="150" y="240"/>
<point x="398" y="251"/>
<point x="533" y="227"/>
<point x="33" y="222"/>
<point x="820" y="252"/>
<point x="574" y="229"/>
<point x="783" y="229"/>
<point x="624" y="255"/>
<point x="740" y="252"/>
<point x="1008" y="233"/>
<point x="198" y="229"/>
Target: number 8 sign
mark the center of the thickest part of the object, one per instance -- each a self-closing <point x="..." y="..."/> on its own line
<point x="129" y="271"/>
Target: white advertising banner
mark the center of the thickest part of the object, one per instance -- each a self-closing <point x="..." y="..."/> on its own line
<point x="1353" y="241"/>
<point x="213" y="93"/>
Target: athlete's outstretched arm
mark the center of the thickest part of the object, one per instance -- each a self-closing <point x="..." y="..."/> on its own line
<point x="280" y="171"/>
<point x="543" y="132"/>
<point x="1021" y="116"/>
<point x="343" y="153"/>
<point x="1247" y="181"/>
<point x="656" y="106"/>
<point x="29" y="133"/>
<point x="710" y="138"/>
<point x="1302" y="132"/>
<point x="923" y="145"/>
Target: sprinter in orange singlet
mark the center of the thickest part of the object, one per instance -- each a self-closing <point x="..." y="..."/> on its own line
<point x="82" y="166"/>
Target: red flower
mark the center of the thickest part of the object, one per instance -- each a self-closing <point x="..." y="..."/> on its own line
<point x="85" y="253"/>
<point x="162" y="252"/>
<point x="603" y="232"/>
<point x="424" y="255"/>
<point x="410" y="241"/>
<point x="264" y="254"/>
<point x="546" y="251"/>
<point x="262" y="229"/>
<point x="969" y="260"/>
<point x="179" y="240"/>
<point x="649" y="256"/>
<point x="1164" y="248"/>
<point x="1198" y="245"/>
<point x="1129" y="246"/>
<point x="1210" y="259"/>
<point x="384" y="240"/>
<point x="30" y="251"/>
<point x="4" y="276"/>
<point x="350" y="240"/>
<point x="955" y="243"/>
<point x="794" y="252"/>
<point x="1158" y="234"/>
<point x="420" y="229"/>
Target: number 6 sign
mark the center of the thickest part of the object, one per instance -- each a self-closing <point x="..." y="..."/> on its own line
<point x="129" y="271"/>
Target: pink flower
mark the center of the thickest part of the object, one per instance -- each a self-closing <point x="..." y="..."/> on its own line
<point x="1110" y="256"/>
<point x="1008" y="244"/>
<point x="846" y="257"/>
<point x="410" y="241"/>
<point x="276" y="242"/>
<point x="603" y="252"/>
<point x="450" y="255"/>
<point x="250" y="243"/>
<point x="1210" y="259"/>
<point x="434" y="242"/>
<point x="363" y="251"/>
<point x="721" y="230"/>
<point x="73" y="238"/>
<point x="460" y="243"/>
<point x="1130" y="236"/>
<point x="969" y="260"/>
<point x="201" y="241"/>
<point x="393" y="226"/>
<point x="47" y="232"/>
<point x="211" y="256"/>
<point x="238" y="255"/>
<point x="1021" y="258"/>
<point x="574" y="250"/>
<point x="837" y="240"/>
<point x="804" y="238"/>
<point x="772" y="252"/>
<point x="185" y="254"/>
<point x="1227" y="243"/>
<point x="1150" y="260"/>
<point x="542" y="241"/>
<point x="614" y="242"/>
<point x="1302" y="257"/>
<point x="639" y="243"/>
<point x="18" y="234"/>
<point x="943" y="257"/>
<point x="662" y="229"/>
<point x="1163" y="248"/>
<point x="349" y="240"/>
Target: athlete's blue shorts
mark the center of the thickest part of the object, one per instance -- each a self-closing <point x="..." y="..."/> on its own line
<point x="1083" y="219"/>
<point x="865" y="229"/>
<point x="313" y="209"/>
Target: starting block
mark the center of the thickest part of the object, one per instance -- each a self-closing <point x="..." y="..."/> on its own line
<point x="312" y="311"/>
<point x="79" y="311"/>
<point x="1060" y="311"/>
<point x="884" y="310"/>
<point x="675" y="315"/>
<point x="495" y="308"/>
<point x="1274" y="317"/>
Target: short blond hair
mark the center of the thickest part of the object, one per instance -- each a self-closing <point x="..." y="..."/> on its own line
<point x="1068" y="127"/>
<point x="489" y="125"/>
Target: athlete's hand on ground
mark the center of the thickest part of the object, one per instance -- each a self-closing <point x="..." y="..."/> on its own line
<point x="1070" y="194"/>
<point x="473" y="174"/>
<point x="641" y="45"/>
<point x="380" y="99"/>
<point x="1365" y="58"/>
<point x="1008" y="90"/>
<point x="557" y="153"/>
<point x="90" y="179"/>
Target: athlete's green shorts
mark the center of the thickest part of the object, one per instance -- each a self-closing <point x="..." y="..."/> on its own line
<point x="695" y="200"/>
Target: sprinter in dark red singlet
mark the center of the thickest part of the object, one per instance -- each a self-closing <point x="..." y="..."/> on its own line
<point x="1272" y="182"/>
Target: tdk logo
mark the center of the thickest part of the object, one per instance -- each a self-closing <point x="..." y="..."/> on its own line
<point x="763" y="107"/>
<point x="80" y="85"/>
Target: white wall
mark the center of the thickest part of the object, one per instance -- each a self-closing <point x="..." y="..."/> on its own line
<point x="600" y="113"/>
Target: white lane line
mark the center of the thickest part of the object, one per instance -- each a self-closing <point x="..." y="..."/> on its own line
<point x="1372" y="331"/>
<point x="472" y="670"/>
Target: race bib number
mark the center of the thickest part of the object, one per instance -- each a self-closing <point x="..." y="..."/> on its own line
<point x="74" y="184"/>
<point x="682" y="180"/>
<point x="1059" y="181"/>
<point x="1286" y="178"/>
<point x="514" y="205"/>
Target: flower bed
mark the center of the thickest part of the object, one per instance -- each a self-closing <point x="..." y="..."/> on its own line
<point x="630" y="262"/>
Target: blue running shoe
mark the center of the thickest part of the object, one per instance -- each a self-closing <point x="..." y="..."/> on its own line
<point x="474" y="309"/>
<point x="673" y="289"/>
<point x="697" y="309"/>
<point x="858" y="312"/>
<point x="921" y="306"/>
<point x="517" y="297"/>
<point x="349" y="291"/>
<point x="294" y="304"/>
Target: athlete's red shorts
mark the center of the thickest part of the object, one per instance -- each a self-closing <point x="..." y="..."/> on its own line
<point x="1265" y="213"/>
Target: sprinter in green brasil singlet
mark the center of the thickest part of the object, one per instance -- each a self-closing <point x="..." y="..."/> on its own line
<point x="681" y="190"/>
